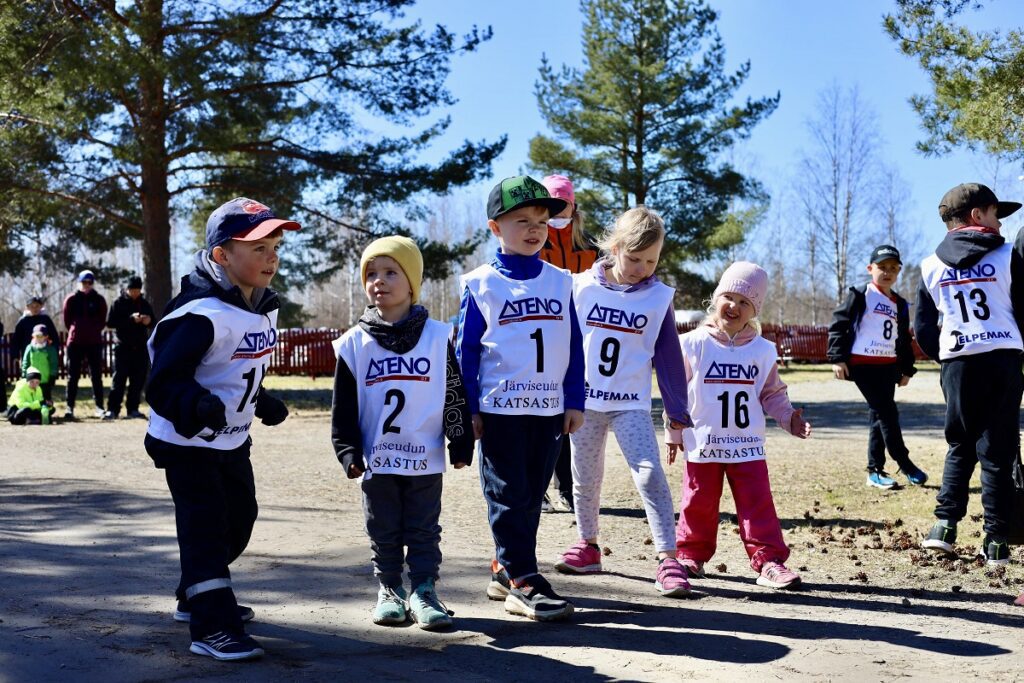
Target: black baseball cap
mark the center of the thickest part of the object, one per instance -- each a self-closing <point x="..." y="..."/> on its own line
<point x="243" y="219"/>
<point x="967" y="196"/>
<point x="885" y="252"/>
<point x="518" y="192"/>
<point x="133" y="282"/>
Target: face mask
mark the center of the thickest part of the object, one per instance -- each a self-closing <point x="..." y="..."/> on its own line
<point x="558" y="223"/>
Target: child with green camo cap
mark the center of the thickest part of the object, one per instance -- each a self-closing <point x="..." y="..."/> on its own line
<point x="398" y="394"/>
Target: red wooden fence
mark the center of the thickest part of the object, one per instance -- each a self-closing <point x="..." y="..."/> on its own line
<point x="309" y="352"/>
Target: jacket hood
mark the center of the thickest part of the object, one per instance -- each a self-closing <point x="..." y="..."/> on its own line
<point x="964" y="248"/>
<point x="602" y="264"/>
<point x="744" y="336"/>
<point x="210" y="280"/>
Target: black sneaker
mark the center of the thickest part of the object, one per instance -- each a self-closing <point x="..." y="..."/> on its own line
<point x="940" y="538"/>
<point x="537" y="600"/>
<point x="996" y="551"/>
<point x="136" y="415"/>
<point x="500" y="584"/>
<point x="183" y="614"/>
<point x="227" y="647"/>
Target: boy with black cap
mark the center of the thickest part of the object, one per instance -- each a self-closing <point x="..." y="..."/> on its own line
<point x="976" y="282"/>
<point x="521" y="352"/>
<point x="131" y="318"/>
<point x="209" y="354"/>
<point x="27" y="405"/>
<point x="869" y="343"/>
<point x="398" y="393"/>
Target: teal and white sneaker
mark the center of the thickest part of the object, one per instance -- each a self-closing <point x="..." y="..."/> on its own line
<point x="996" y="551"/>
<point x="427" y="610"/>
<point x="941" y="537"/>
<point x="390" y="607"/>
<point x="880" y="480"/>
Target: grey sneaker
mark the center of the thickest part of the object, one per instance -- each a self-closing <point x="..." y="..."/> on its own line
<point x="390" y="607"/>
<point x="537" y="600"/>
<point x="996" y="551"/>
<point x="940" y="538"/>
<point x="427" y="610"/>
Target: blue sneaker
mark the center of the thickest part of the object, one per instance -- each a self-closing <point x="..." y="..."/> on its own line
<point x="880" y="480"/>
<point x="916" y="477"/>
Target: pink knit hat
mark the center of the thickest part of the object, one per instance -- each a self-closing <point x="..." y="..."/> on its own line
<point x="747" y="279"/>
<point x="560" y="187"/>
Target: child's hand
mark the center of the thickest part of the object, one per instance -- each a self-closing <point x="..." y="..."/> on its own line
<point x="840" y="370"/>
<point x="798" y="426"/>
<point x="478" y="427"/>
<point x="904" y="381"/>
<point x="355" y="471"/>
<point x="671" y="449"/>
<point x="573" y="421"/>
<point x="459" y="465"/>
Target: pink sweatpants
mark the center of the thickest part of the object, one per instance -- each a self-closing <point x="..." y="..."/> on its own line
<point x="697" y="531"/>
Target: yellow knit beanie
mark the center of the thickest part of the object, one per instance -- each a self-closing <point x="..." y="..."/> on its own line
<point x="403" y="250"/>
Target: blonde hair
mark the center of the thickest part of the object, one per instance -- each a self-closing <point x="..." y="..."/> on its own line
<point x="579" y="238"/>
<point x="711" y="314"/>
<point x="635" y="230"/>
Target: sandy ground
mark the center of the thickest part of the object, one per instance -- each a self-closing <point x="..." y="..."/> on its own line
<point x="88" y="563"/>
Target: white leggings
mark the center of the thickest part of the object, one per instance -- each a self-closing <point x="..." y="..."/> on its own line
<point x="634" y="431"/>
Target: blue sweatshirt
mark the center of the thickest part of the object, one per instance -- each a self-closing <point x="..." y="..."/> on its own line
<point x="472" y="326"/>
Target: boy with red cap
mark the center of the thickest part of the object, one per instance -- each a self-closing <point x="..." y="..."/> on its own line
<point x="975" y="281"/>
<point x="209" y="356"/>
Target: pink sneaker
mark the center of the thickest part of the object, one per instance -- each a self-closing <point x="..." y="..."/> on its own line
<point x="671" y="580"/>
<point x="582" y="558"/>
<point x="777" y="575"/>
<point x="694" y="569"/>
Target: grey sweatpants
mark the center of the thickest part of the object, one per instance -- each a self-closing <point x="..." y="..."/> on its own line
<point x="402" y="515"/>
<point x="634" y="431"/>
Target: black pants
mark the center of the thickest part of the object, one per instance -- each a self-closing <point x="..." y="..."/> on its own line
<point x="983" y="393"/>
<point x="131" y="365"/>
<point x="47" y="388"/>
<point x="563" y="470"/>
<point x="23" y="415"/>
<point x="518" y="454"/>
<point x="94" y="354"/>
<point x="214" y="511"/>
<point x="877" y="383"/>
<point x="402" y="512"/>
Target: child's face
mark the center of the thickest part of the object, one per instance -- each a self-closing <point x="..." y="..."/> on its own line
<point x="562" y="218"/>
<point x="387" y="286"/>
<point x="986" y="217"/>
<point x="34" y="383"/>
<point x="38" y="339"/>
<point x="34" y="308"/>
<point x="734" y="312"/>
<point x="632" y="267"/>
<point x="521" y="232"/>
<point x="250" y="264"/>
<point x="884" y="274"/>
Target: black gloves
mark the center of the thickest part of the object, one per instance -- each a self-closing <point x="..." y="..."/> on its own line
<point x="210" y="411"/>
<point x="271" y="411"/>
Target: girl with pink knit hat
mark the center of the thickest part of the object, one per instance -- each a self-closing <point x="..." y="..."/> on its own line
<point x="733" y="382"/>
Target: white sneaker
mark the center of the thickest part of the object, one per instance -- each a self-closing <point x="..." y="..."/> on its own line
<point x="99" y="412"/>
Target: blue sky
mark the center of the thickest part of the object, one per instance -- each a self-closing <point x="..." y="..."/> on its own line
<point x="796" y="47"/>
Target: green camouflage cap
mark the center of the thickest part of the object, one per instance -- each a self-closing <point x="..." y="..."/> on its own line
<point x="519" y="191"/>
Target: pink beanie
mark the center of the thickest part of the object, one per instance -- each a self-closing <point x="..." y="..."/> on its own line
<point x="560" y="187"/>
<point x="747" y="279"/>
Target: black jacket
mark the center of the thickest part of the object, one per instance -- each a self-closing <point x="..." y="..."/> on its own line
<point x="842" y="331"/>
<point x="963" y="249"/>
<point x="130" y="333"/>
<point x="178" y="348"/>
<point x="346" y="435"/>
<point x="23" y="333"/>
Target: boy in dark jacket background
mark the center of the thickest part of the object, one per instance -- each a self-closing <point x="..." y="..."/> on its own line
<point x="869" y="343"/>
<point x="85" y="316"/>
<point x="131" y="318"/>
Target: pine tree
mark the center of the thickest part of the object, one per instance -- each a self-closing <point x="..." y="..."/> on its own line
<point x="114" y="116"/>
<point x="648" y="120"/>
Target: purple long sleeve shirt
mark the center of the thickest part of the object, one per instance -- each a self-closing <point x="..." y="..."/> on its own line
<point x="668" y="355"/>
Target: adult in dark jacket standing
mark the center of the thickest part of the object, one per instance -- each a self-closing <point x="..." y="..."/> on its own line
<point x="131" y="318"/>
<point x="34" y="314"/>
<point x="85" y="316"/>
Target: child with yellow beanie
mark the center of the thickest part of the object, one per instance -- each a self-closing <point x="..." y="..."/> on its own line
<point x="398" y="394"/>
